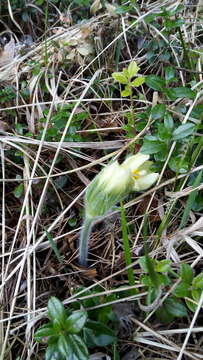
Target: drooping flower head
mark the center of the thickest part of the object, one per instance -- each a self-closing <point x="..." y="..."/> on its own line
<point x="116" y="181"/>
<point x="110" y="186"/>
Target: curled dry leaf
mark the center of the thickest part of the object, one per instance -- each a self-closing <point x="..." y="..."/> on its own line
<point x="7" y="55"/>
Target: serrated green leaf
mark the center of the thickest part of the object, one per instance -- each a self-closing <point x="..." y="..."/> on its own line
<point x="120" y="77"/>
<point x="186" y="273"/>
<point x="181" y="290"/>
<point x="75" y="322"/>
<point x="158" y="111"/>
<point x="138" y="81"/>
<point x="183" y="131"/>
<point x="56" y="310"/>
<point x="133" y="69"/>
<point x="175" y="308"/>
<point x="155" y="82"/>
<point x="18" y="191"/>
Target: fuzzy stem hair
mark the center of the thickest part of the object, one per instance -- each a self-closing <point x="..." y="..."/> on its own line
<point x="84" y="241"/>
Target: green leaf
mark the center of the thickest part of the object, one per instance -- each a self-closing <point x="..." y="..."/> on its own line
<point x="120" y="77"/>
<point x="182" y="290"/>
<point x="196" y="293"/>
<point x="152" y="146"/>
<point x="198" y="282"/>
<point x="183" y="92"/>
<point x="56" y="310"/>
<point x="169" y="73"/>
<point x="175" y="308"/>
<point x="164" y="133"/>
<point x="190" y="201"/>
<point x="163" y="266"/>
<point x="150" y="18"/>
<point x="78" y="347"/>
<point x="168" y="121"/>
<point x="146" y="280"/>
<point x="126" y="92"/>
<point x="163" y="315"/>
<point x="52" y="352"/>
<point x="161" y="156"/>
<point x="143" y="263"/>
<point x="18" y="191"/>
<point x="155" y="82"/>
<point x="183" y="131"/>
<point x="101" y="335"/>
<point x="64" y="346"/>
<point x="148" y="265"/>
<point x="106" y="313"/>
<point x="45" y="330"/>
<point x="75" y="322"/>
<point x="163" y="279"/>
<point x="54" y="246"/>
<point x="133" y="69"/>
<point x="186" y="273"/>
<point x="172" y="24"/>
<point x="191" y="305"/>
<point x="138" y="81"/>
<point x="158" y="111"/>
<point x="178" y="165"/>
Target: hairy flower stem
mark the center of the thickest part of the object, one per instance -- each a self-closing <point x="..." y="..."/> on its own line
<point x="84" y="241"/>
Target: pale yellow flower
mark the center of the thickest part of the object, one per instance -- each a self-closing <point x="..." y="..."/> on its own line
<point x="139" y="167"/>
<point x="109" y="187"/>
<point x="116" y="181"/>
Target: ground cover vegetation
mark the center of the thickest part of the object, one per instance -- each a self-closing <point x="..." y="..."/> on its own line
<point x="84" y="86"/>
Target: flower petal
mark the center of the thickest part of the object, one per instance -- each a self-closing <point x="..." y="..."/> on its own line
<point x="144" y="182"/>
<point x="114" y="178"/>
<point x="135" y="161"/>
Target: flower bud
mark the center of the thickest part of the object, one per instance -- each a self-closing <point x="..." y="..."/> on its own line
<point x="107" y="188"/>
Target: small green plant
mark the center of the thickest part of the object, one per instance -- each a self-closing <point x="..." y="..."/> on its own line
<point x="70" y="332"/>
<point x="7" y="94"/>
<point x="165" y="128"/>
<point x="157" y="279"/>
<point x="126" y="78"/>
<point x="58" y="123"/>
